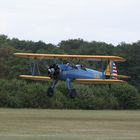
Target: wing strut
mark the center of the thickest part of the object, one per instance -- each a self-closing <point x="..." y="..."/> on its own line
<point x="34" y="67"/>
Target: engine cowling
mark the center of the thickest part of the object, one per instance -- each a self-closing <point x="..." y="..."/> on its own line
<point x="54" y="71"/>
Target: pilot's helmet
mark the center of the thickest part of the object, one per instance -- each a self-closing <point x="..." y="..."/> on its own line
<point x="78" y="66"/>
<point x="67" y="64"/>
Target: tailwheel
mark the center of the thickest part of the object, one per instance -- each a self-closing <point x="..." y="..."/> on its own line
<point x="72" y="93"/>
<point x="50" y="92"/>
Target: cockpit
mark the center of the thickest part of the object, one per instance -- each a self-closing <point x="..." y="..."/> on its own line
<point x="78" y="66"/>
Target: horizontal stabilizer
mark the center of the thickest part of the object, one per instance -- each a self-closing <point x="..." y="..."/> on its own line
<point x="123" y="76"/>
<point x="119" y="76"/>
<point x="30" y="77"/>
<point x="98" y="81"/>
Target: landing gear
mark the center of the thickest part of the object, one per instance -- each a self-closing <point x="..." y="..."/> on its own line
<point x="72" y="93"/>
<point x="50" y="92"/>
<point x="53" y="72"/>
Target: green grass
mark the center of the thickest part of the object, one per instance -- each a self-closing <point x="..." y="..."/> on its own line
<point x="42" y="124"/>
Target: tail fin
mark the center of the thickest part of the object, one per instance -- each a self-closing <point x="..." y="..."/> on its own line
<point x="111" y="70"/>
<point x="112" y="73"/>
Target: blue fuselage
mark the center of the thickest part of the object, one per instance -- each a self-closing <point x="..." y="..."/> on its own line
<point x="78" y="72"/>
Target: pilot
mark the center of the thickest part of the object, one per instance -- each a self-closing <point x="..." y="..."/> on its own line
<point x="79" y="66"/>
<point x="70" y="66"/>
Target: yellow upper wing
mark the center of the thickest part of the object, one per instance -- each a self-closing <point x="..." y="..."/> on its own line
<point x="66" y="56"/>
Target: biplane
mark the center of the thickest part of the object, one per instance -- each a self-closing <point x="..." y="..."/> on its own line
<point x="76" y="73"/>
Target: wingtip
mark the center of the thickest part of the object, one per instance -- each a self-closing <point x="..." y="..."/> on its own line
<point x="16" y="54"/>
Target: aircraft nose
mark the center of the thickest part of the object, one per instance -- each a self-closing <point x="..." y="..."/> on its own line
<point x="54" y="71"/>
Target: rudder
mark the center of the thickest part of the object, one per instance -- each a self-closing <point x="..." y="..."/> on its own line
<point x="111" y="71"/>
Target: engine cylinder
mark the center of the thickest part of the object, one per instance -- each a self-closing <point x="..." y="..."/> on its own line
<point x="54" y="71"/>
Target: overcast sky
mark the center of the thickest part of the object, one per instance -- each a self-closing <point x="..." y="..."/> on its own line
<point x="111" y="21"/>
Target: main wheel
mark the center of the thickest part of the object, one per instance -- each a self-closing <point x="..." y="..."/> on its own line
<point x="72" y="93"/>
<point x="50" y="92"/>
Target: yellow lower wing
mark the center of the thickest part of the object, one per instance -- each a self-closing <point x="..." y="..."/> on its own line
<point x="30" y="77"/>
<point x="98" y="81"/>
<point x="84" y="81"/>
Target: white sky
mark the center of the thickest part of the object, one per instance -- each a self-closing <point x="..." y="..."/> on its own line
<point x="111" y="21"/>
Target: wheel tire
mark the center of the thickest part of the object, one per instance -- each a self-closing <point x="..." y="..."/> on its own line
<point x="50" y="92"/>
<point x="72" y="93"/>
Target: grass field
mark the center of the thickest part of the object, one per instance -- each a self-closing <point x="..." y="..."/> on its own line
<point x="42" y="124"/>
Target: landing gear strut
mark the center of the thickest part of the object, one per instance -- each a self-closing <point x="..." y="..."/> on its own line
<point x="72" y="93"/>
<point x="50" y="92"/>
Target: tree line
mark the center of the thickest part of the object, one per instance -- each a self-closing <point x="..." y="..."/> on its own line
<point x="15" y="92"/>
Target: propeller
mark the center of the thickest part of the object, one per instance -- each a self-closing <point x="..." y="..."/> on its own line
<point x="54" y="71"/>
